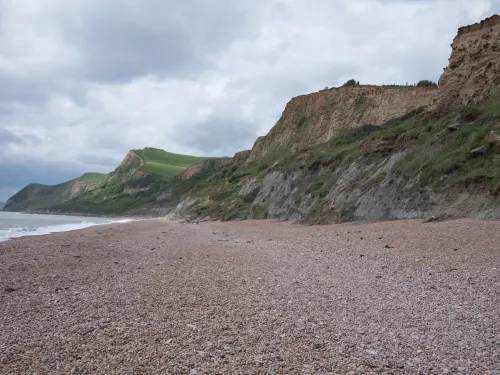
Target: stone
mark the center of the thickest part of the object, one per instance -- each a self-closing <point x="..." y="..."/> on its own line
<point x="493" y="138"/>
<point x="479" y="151"/>
<point x="454" y="127"/>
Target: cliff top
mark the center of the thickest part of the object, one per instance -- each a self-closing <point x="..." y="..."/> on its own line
<point x="488" y="22"/>
<point x="366" y="89"/>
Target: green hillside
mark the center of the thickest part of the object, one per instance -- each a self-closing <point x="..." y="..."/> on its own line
<point x="122" y="190"/>
<point x="165" y="164"/>
<point x="92" y="177"/>
<point x="163" y="170"/>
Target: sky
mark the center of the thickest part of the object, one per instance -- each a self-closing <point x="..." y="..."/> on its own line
<point x="84" y="81"/>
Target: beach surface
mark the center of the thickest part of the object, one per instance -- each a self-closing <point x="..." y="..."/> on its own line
<point x="255" y="297"/>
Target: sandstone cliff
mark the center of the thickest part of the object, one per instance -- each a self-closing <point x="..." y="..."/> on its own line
<point x="473" y="73"/>
<point x="413" y="166"/>
<point x="315" y="118"/>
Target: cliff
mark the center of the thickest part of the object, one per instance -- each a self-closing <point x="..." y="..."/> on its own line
<point x="368" y="153"/>
<point x="207" y="166"/>
<point x="38" y="197"/>
<point x="133" y="182"/>
<point x="473" y="73"/>
<point x="313" y="119"/>
<point x="352" y="153"/>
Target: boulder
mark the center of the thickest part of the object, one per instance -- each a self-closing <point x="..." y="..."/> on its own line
<point x="493" y="138"/>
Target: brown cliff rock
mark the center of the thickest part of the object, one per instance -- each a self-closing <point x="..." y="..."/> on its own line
<point x="473" y="73"/>
<point x="315" y="118"/>
<point x="241" y="156"/>
<point x="191" y="171"/>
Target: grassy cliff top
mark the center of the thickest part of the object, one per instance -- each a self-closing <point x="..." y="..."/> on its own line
<point x="166" y="164"/>
<point x="154" y="155"/>
<point x="93" y="177"/>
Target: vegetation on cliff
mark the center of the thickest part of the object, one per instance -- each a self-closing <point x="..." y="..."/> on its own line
<point x="352" y="153"/>
<point x="132" y="184"/>
<point x="93" y="177"/>
<point x="165" y="164"/>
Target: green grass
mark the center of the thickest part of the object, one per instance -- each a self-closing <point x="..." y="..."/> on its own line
<point x="444" y="153"/>
<point x="166" y="164"/>
<point x="162" y="170"/>
<point x="154" y="155"/>
<point x="93" y="177"/>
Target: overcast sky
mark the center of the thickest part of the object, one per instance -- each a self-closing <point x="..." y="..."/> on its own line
<point x="84" y="81"/>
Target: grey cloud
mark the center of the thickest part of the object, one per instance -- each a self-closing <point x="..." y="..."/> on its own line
<point x="6" y="136"/>
<point x="120" y="41"/>
<point x="219" y="136"/>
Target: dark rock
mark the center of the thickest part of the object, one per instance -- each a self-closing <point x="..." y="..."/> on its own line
<point x="454" y="127"/>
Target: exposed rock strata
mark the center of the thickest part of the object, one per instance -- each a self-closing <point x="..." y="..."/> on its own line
<point x="315" y="118"/>
<point x="473" y="73"/>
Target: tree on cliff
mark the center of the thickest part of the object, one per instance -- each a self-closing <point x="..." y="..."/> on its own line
<point x="426" y="83"/>
<point x="351" y="82"/>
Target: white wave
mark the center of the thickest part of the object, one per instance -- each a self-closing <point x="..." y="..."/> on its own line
<point x="6" y="234"/>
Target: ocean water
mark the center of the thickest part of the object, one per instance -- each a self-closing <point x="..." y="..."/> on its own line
<point x="13" y="224"/>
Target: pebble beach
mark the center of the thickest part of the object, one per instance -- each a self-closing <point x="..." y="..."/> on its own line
<point x="164" y="297"/>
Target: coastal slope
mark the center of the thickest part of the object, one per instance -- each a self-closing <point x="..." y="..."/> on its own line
<point x="140" y="171"/>
<point x="360" y="153"/>
<point x="38" y="197"/>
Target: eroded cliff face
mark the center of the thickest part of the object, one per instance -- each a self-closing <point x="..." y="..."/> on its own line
<point x="473" y="73"/>
<point x="416" y="165"/>
<point x="129" y="167"/>
<point x="315" y="118"/>
<point x="82" y="187"/>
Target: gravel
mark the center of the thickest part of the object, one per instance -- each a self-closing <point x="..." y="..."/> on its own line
<point x="255" y="297"/>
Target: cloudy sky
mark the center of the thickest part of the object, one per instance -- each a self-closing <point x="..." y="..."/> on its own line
<point x="84" y="81"/>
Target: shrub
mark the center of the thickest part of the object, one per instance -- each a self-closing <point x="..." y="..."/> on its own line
<point x="351" y="82"/>
<point x="426" y="83"/>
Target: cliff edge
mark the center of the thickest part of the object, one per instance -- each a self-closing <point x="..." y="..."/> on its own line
<point x="473" y="73"/>
<point x="315" y="118"/>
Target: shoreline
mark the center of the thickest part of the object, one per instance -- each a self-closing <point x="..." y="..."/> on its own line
<point x="77" y="214"/>
<point x="12" y="233"/>
<point x="161" y="296"/>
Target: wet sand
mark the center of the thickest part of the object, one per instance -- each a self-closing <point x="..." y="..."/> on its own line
<point x="161" y="297"/>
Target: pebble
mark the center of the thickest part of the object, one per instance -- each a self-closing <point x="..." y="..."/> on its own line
<point x="208" y="314"/>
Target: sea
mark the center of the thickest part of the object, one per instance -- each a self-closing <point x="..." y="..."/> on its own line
<point x="18" y="224"/>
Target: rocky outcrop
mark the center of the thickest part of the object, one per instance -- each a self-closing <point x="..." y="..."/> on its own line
<point x="191" y="171"/>
<point x="473" y="73"/>
<point x="209" y="165"/>
<point x="129" y="167"/>
<point x="364" y="190"/>
<point x="82" y="187"/>
<point x="315" y="118"/>
<point x="214" y="164"/>
<point x="241" y="156"/>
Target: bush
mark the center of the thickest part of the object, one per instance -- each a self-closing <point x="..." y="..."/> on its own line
<point x="426" y="83"/>
<point x="351" y="82"/>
